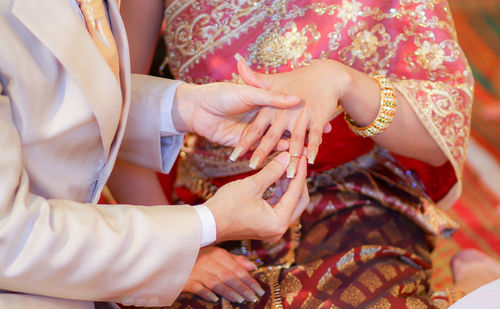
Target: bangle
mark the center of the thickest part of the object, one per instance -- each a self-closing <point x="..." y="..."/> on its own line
<point x="385" y="114"/>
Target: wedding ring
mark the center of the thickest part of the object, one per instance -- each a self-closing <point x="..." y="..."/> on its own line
<point x="295" y="154"/>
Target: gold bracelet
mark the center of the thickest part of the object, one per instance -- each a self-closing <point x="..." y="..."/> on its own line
<point x="385" y="114"/>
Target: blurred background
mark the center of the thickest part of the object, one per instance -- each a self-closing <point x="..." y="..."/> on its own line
<point x="478" y="210"/>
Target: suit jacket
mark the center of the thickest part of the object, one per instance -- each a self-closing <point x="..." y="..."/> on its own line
<point x="62" y="122"/>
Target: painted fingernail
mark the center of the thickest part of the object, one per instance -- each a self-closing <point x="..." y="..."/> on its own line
<point x="253" y="163"/>
<point x="250" y="296"/>
<point x="290" y="171"/>
<point x="311" y="157"/>
<point x="236" y="297"/>
<point x="212" y="297"/>
<point x="236" y="153"/>
<point x="238" y="57"/>
<point x="258" y="289"/>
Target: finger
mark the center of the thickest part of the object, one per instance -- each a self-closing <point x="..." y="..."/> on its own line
<point x="250" y="77"/>
<point x="328" y="128"/>
<point x="289" y="203"/>
<point x="283" y="145"/>
<point x="253" y="132"/>
<point x="302" y="204"/>
<point x="315" y="138"/>
<point x="268" y="142"/>
<point x="225" y="291"/>
<point x="297" y="144"/>
<point x="199" y="289"/>
<point x="248" y="265"/>
<point x="237" y="277"/>
<point x="270" y="173"/>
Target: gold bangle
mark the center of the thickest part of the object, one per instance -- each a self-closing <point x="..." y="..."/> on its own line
<point x="385" y="114"/>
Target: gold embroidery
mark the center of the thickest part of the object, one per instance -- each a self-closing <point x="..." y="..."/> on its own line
<point x="389" y="229"/>
<point x="368" y="253"/>
<point x="311" y="302"/>
<point x="328" y="283"/>
<point x="353" y="296"/>
<point x="415" y="303"/>
<point x="408" y="288"/>
<point x="277" y="46"/>
<point x="395" y="291"/>
<point x="346" y="263"/>
<point x="311" y="267"/>
<point x="382" y="303"/>
<point x="370" y="280"/>
<point x="387" y="270"/>
<point x="290" y="287"/>
<point x="358" y="36"/>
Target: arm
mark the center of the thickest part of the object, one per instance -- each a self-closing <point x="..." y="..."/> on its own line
<point x="434" y="94"/>
<point x="74" y="250"/>
<point x="142" y="21"/>
<point x="130" y="183"/>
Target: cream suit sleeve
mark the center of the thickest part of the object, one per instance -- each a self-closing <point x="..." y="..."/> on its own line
<point x="142" y="143"/>
<point x="60" y="248"/>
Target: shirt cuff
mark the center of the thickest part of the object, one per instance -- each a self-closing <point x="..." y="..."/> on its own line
<point x="208" y="226"/>
<point x="167" y="127"/>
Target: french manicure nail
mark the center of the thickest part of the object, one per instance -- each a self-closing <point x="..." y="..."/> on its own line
<point x="212" y="297"/>
<point x="311" y="157"/>
<point x="250" y="296"/>
<point x="236" y="153"/>
<point x="254" y="162"/>
<point x="258" y="289"/>
<point x="236" y="297"/>
<point x="290" y="171"/>
<point x="238" y="57"/>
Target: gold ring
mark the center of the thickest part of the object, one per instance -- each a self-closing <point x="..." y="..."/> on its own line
<point x="295" y="154"/>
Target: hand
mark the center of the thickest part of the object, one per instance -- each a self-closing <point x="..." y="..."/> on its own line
<point x="240" y="212"/>
<point x="226" y="274"/>
<point x="221" y="111"/>
<point x="320" y="85"/>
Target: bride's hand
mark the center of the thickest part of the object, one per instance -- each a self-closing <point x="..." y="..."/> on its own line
<point x="226" y="274"/>
<point x="320" y="85"/>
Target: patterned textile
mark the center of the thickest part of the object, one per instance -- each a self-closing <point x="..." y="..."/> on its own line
<point x="360" y="245"/>
<point x="412" y="42"/>
<point x="368" y="232"/>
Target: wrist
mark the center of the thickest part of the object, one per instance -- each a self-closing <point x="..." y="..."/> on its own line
<point x="183" y="107"/>
<point x="361" y="97"/>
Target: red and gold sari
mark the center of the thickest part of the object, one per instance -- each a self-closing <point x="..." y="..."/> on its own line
<point x="366" y="237"/>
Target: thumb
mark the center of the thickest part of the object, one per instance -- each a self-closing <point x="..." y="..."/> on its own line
<point x="271" y="172"/>
<point x="250" y="77"/>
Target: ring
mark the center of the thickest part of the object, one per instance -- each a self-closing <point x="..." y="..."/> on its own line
<point x="295" y="154"/>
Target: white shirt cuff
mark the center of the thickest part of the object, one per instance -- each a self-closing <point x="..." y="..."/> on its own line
<point x="167" y="127"/>
<point x="208" y="226"/>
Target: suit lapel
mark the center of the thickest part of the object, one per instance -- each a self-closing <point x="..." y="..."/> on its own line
<point x="57" y="26"/>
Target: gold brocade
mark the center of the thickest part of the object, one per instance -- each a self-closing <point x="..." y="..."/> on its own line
<point x="422" y="58"/>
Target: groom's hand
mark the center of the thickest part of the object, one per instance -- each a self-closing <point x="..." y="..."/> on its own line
<point x="221" y="111"/>
<point x="240" y="212"/>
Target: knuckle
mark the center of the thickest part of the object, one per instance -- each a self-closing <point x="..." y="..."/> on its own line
<point x="297" y="137"/>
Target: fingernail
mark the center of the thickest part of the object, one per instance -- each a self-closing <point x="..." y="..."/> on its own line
<point x="236" y="297"/>
<point x="283" y="158"/>
<point x="290" y="171"/>
<point x="236" y="153"/>
<point x="253" y="163"/>
<point x="250" y="296"/>
<point x="238" y="57"/>
<point x="258" y="289"/>
<point x="212" y="297"/>
<point x="311" y="157"/>
<point x="292" y="98"/>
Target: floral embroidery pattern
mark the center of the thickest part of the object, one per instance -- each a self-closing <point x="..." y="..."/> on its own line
<point x="413" y="42"/>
